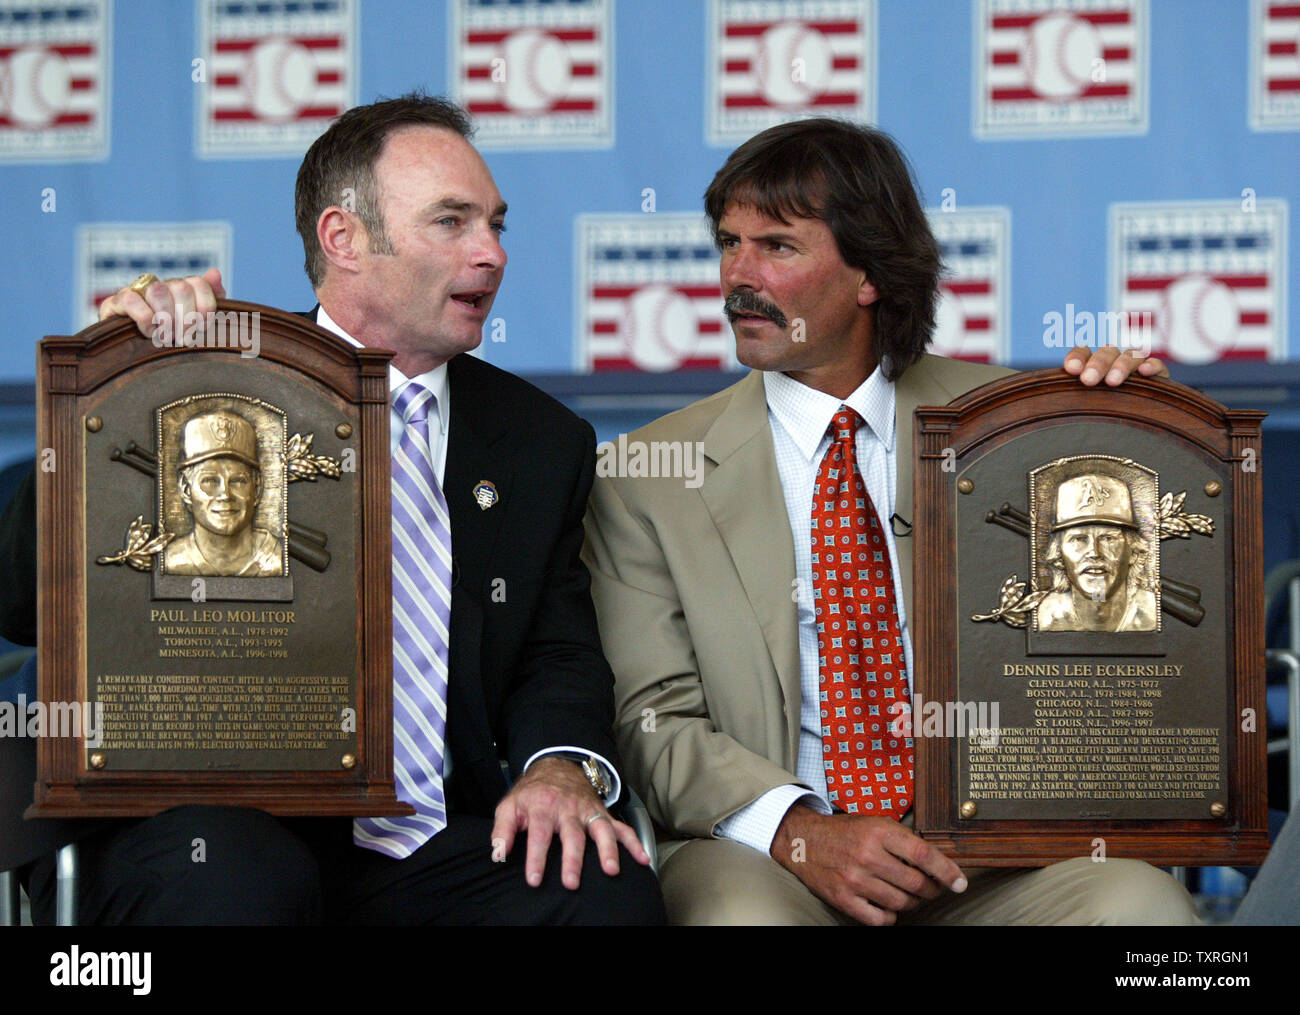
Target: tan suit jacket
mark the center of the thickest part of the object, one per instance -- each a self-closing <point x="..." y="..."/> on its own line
<point x="695" y="595"/>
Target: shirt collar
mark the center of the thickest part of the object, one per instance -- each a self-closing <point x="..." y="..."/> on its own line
<point x="806" y="413"/>
<point x="435" y="380"/>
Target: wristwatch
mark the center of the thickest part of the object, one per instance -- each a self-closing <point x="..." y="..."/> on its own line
<point x="592" y="768"/>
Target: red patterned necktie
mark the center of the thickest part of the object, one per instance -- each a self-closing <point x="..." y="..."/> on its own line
<point x="865" y="705"/>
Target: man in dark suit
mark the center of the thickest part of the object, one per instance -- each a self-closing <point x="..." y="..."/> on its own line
<point x="401" y="223"/>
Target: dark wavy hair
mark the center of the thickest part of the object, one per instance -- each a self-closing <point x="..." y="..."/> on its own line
<point x="856" y="180"/>
<point x="340" y="165"/>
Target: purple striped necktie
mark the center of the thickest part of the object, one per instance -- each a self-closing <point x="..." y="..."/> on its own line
<point x="421" y="621"/>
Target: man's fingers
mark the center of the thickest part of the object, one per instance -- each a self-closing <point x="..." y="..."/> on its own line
<point x="213" y="277"/>
<point x="604" y="834"/>
<point x="1076" y="359"/>
<point x="176" y="298"/>
<point x="504" y="826"/>
<point x="915" y="851"/>
<point x="886" y="894"/>
<point x="183" y="299"/>
<point x="626" y="834"/>
<point x="1134" y="361"/>
<point x="865" y="912"/>
<point x="1113" y="364"/>
<point x="1153" y="367"/>
<point x="129" y="303"/>
<point x="573" y="846"/>
<point x="1096" y="365"/>
<point x="539" y="841"/>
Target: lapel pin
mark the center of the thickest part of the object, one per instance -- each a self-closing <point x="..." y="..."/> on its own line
<point x="485" y="494"/>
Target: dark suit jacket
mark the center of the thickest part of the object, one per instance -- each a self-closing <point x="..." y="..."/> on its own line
<point x="526" y="667"/>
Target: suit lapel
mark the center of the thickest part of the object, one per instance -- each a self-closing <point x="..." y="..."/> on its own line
<point x="919" y="385"/>
<point x="908" y="394"/>
<point x="743" y="496"/>
<point x="474" y="453"/>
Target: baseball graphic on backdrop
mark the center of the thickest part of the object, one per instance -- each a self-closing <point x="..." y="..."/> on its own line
<point x="280" y="80"/>
<point x="1059" y="55"/>
<point x="1198" y="319"/>
<point x="537" y="69"/>
<point x="33" y="86"/>
<point x="794" y="64"/>
<point x="660" y="329"/>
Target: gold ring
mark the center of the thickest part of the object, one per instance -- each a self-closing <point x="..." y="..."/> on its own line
<point x="142" y="283"/>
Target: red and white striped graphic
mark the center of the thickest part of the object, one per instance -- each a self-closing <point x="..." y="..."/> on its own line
<point x="1212" y="274"/>
<point x="276" y="74"/>
<point x="54" y="80"/>
<point x="776" y="61"/>
<point x="535" y="73"/>
<point x="113" y="255"/>
<point x="973" y="319"/>
<point x="648" y="295"/>
<point x="1061" y="67"/>
<point x="1275" y="65"/>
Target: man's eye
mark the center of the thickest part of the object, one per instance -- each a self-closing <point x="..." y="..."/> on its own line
<point x="498" y="227"/>
<point x="448" y="220"/>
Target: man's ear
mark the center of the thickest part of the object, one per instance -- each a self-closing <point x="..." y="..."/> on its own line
<point x="867" y="294"/>
<point x="341" y="236"/>
<point x="183" y="486"/>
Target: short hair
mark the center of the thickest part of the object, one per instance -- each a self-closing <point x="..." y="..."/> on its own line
<point x="856" y="180"/>
<point x="344" y="157"/>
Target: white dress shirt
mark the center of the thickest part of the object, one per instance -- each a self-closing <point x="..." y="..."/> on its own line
<point x="799" y="417"/>
<point x="436" y="381"/>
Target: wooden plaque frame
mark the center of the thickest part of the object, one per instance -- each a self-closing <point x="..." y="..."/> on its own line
<point x="75" y="374"/>
<point x="978" y="424"/>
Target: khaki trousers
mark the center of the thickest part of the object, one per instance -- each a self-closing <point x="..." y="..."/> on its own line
<point x="717" y="882"/>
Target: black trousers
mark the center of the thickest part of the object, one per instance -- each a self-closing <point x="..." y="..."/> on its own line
<point x="236" y="866"/>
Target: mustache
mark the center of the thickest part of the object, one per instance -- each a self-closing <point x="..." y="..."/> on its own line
<point x="744" y="301"/>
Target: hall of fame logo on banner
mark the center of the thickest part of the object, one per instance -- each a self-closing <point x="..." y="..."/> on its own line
<point x="647" y="295"/>
<point x="1060" y="68"/>
<point x="54" y="80"/>
<point x="1274" y="65"/>
<point x="275" y="73"/>
<point x="974" y="319"/>
<point x="776" y="60"/>
<point x="1209" y="274"/>
<point x="535" y="74"/>
<point x="112" y="255"/>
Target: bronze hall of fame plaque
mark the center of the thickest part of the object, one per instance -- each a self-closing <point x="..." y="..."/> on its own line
<point x="1089" y="632"/>
<point x="215" y="569"/>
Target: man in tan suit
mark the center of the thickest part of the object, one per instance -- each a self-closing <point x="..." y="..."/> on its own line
<point x="705" y="592"/>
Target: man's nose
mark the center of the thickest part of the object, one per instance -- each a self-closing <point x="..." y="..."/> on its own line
<point x="739" y="270"/>
<point x="489" y="254"/>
